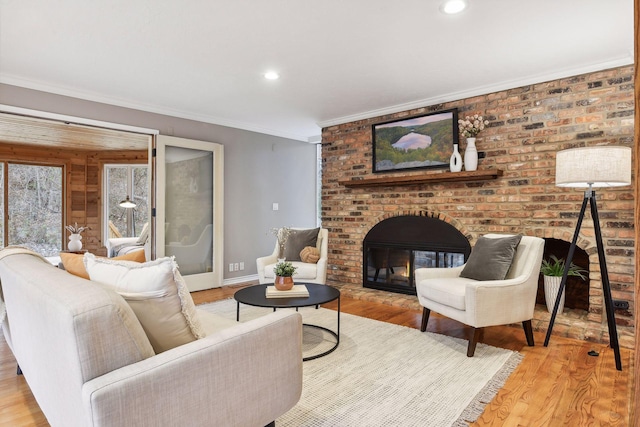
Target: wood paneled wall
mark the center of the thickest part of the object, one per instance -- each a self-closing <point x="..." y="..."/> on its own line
<point x="83" y="182"/>
<point x="635" y="413"/>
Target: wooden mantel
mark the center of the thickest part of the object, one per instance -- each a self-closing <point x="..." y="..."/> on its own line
<point x="387" y="181"/>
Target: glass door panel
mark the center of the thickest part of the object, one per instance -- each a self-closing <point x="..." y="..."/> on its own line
<point x="189" y="209"/>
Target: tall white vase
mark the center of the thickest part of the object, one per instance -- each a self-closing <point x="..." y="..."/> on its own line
<point x="75" y="242"/>
<point x="551" y="287"/>
<point x="471" y="155"/>
<point x="455" y="163"/>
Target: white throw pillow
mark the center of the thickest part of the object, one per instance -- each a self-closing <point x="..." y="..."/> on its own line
<point x="158" y="295"/>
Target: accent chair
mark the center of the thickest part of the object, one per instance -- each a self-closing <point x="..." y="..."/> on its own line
<point x="472" y="295"/>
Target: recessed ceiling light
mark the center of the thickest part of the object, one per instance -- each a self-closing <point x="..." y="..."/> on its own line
<point x="453" y="6"/>
<point x="271" y="75"/>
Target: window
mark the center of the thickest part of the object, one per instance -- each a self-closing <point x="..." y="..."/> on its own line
<point x="33" y="207"/>
<point x="122" y="182"/>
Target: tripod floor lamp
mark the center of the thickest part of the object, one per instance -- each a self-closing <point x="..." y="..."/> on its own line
<point x="591" y="167"/>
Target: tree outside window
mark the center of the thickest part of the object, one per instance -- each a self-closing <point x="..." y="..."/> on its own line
<point x="33" y="209"/>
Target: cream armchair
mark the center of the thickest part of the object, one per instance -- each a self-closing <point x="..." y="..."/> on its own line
<point x="481" y="303"/>
<point x="306" y="272"/>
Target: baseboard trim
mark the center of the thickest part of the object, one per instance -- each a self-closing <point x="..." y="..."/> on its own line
<point x="241" y="279"/>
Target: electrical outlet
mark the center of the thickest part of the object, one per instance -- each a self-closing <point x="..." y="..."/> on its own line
<point x="621" y="304"/>
<point x="241" y="266"/>
<point x="231" y="267"/>
<point x="236" y="267"/>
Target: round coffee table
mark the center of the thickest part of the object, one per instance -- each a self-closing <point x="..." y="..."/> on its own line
<point x="318" y="294"/>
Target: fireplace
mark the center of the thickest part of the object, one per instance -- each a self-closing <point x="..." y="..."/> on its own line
<point x="396" y="246"/>
<point x="576" y="290"/>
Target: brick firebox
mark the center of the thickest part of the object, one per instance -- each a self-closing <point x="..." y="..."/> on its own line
<point x="528" y="125"/>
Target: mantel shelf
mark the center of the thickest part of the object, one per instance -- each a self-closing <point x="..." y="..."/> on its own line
<point x="389" y="181"/>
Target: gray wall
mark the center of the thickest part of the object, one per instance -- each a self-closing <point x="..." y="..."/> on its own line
<point x="259" y="170"/>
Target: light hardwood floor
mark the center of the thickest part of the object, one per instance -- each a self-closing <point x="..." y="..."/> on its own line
<point x="560" y="385"/>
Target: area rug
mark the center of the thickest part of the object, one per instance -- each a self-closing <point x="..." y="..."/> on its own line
<point x="383" y="374"/>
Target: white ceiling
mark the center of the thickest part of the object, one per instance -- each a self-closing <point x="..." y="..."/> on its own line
<point x="339" y="60"/>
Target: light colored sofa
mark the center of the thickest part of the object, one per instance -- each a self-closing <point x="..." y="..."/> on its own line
<point x="88" y="361"/>
<point x="306" y="271"/>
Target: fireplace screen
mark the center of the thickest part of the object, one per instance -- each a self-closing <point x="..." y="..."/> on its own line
<point x="392" y="269"/>
<point x="395" y="247"/>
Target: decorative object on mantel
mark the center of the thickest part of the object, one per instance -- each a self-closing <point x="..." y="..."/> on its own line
<point x="75" y="238"/>
<point x="284" y="275"/>
<point x="455" y="163"/>
<point x="590" y="167"/>
<point x="470" y="127"/>
<point x="552" y="270"/>
<point x="471" y="155"/>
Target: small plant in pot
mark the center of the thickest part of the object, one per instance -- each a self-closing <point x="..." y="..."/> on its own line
<point x="552" y="270"/>
<point x="284" y="271"/>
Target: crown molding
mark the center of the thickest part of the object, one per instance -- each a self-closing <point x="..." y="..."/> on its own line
<point x="94" y="97"/>
<point x="482" y="90"/>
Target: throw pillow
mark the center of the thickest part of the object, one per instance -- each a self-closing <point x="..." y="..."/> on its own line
<point x="491" y="258"/>
<point x="297" y="241"/>
<point x="74" y="263"/>
<point x="310" y="254"/>
<point x="157" y="294"/>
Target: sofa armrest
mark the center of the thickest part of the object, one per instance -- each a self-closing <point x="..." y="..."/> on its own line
<point x="246" y="375"/>
<point x="502" y="301"/>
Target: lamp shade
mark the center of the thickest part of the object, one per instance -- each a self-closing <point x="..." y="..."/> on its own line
<point x="127" y="203"/>
<point x="601" y="166"/>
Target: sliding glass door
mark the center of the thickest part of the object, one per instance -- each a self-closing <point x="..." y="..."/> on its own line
<point x="189" y="208"/>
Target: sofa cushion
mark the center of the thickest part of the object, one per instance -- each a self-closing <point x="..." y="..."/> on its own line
<point x="310" y="254"/>
<point x="297" y="241"/>
<point x="157" y="294"/>
<point x="491" y="258"/>
<point x="74" y="263"/>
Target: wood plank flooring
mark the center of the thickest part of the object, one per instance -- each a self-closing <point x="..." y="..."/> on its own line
<point x="560" y="385"/>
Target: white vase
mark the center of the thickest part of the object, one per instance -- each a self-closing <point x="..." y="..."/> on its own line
<point x="455" y="163"/>
<point x="471" y="155"/>
<point x="75" y="242"/>
<point x="551" y="287"/>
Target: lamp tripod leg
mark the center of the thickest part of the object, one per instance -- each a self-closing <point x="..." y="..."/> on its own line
<point x="606" y="287"/>
<point x="565" y="273"/>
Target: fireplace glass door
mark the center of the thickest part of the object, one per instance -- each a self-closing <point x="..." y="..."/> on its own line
<point x="392" y="269"/>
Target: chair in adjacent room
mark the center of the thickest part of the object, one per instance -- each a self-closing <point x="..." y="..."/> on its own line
<point x="496" y="286"/>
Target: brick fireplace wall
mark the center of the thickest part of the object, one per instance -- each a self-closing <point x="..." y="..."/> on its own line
<point x="528" y="125"/>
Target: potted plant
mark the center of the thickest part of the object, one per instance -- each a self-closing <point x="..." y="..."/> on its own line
<point x="552" y="270"/>
<point x="284" y="271"/>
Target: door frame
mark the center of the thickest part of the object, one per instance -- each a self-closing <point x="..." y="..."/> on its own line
<point x="195" y="282"/>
